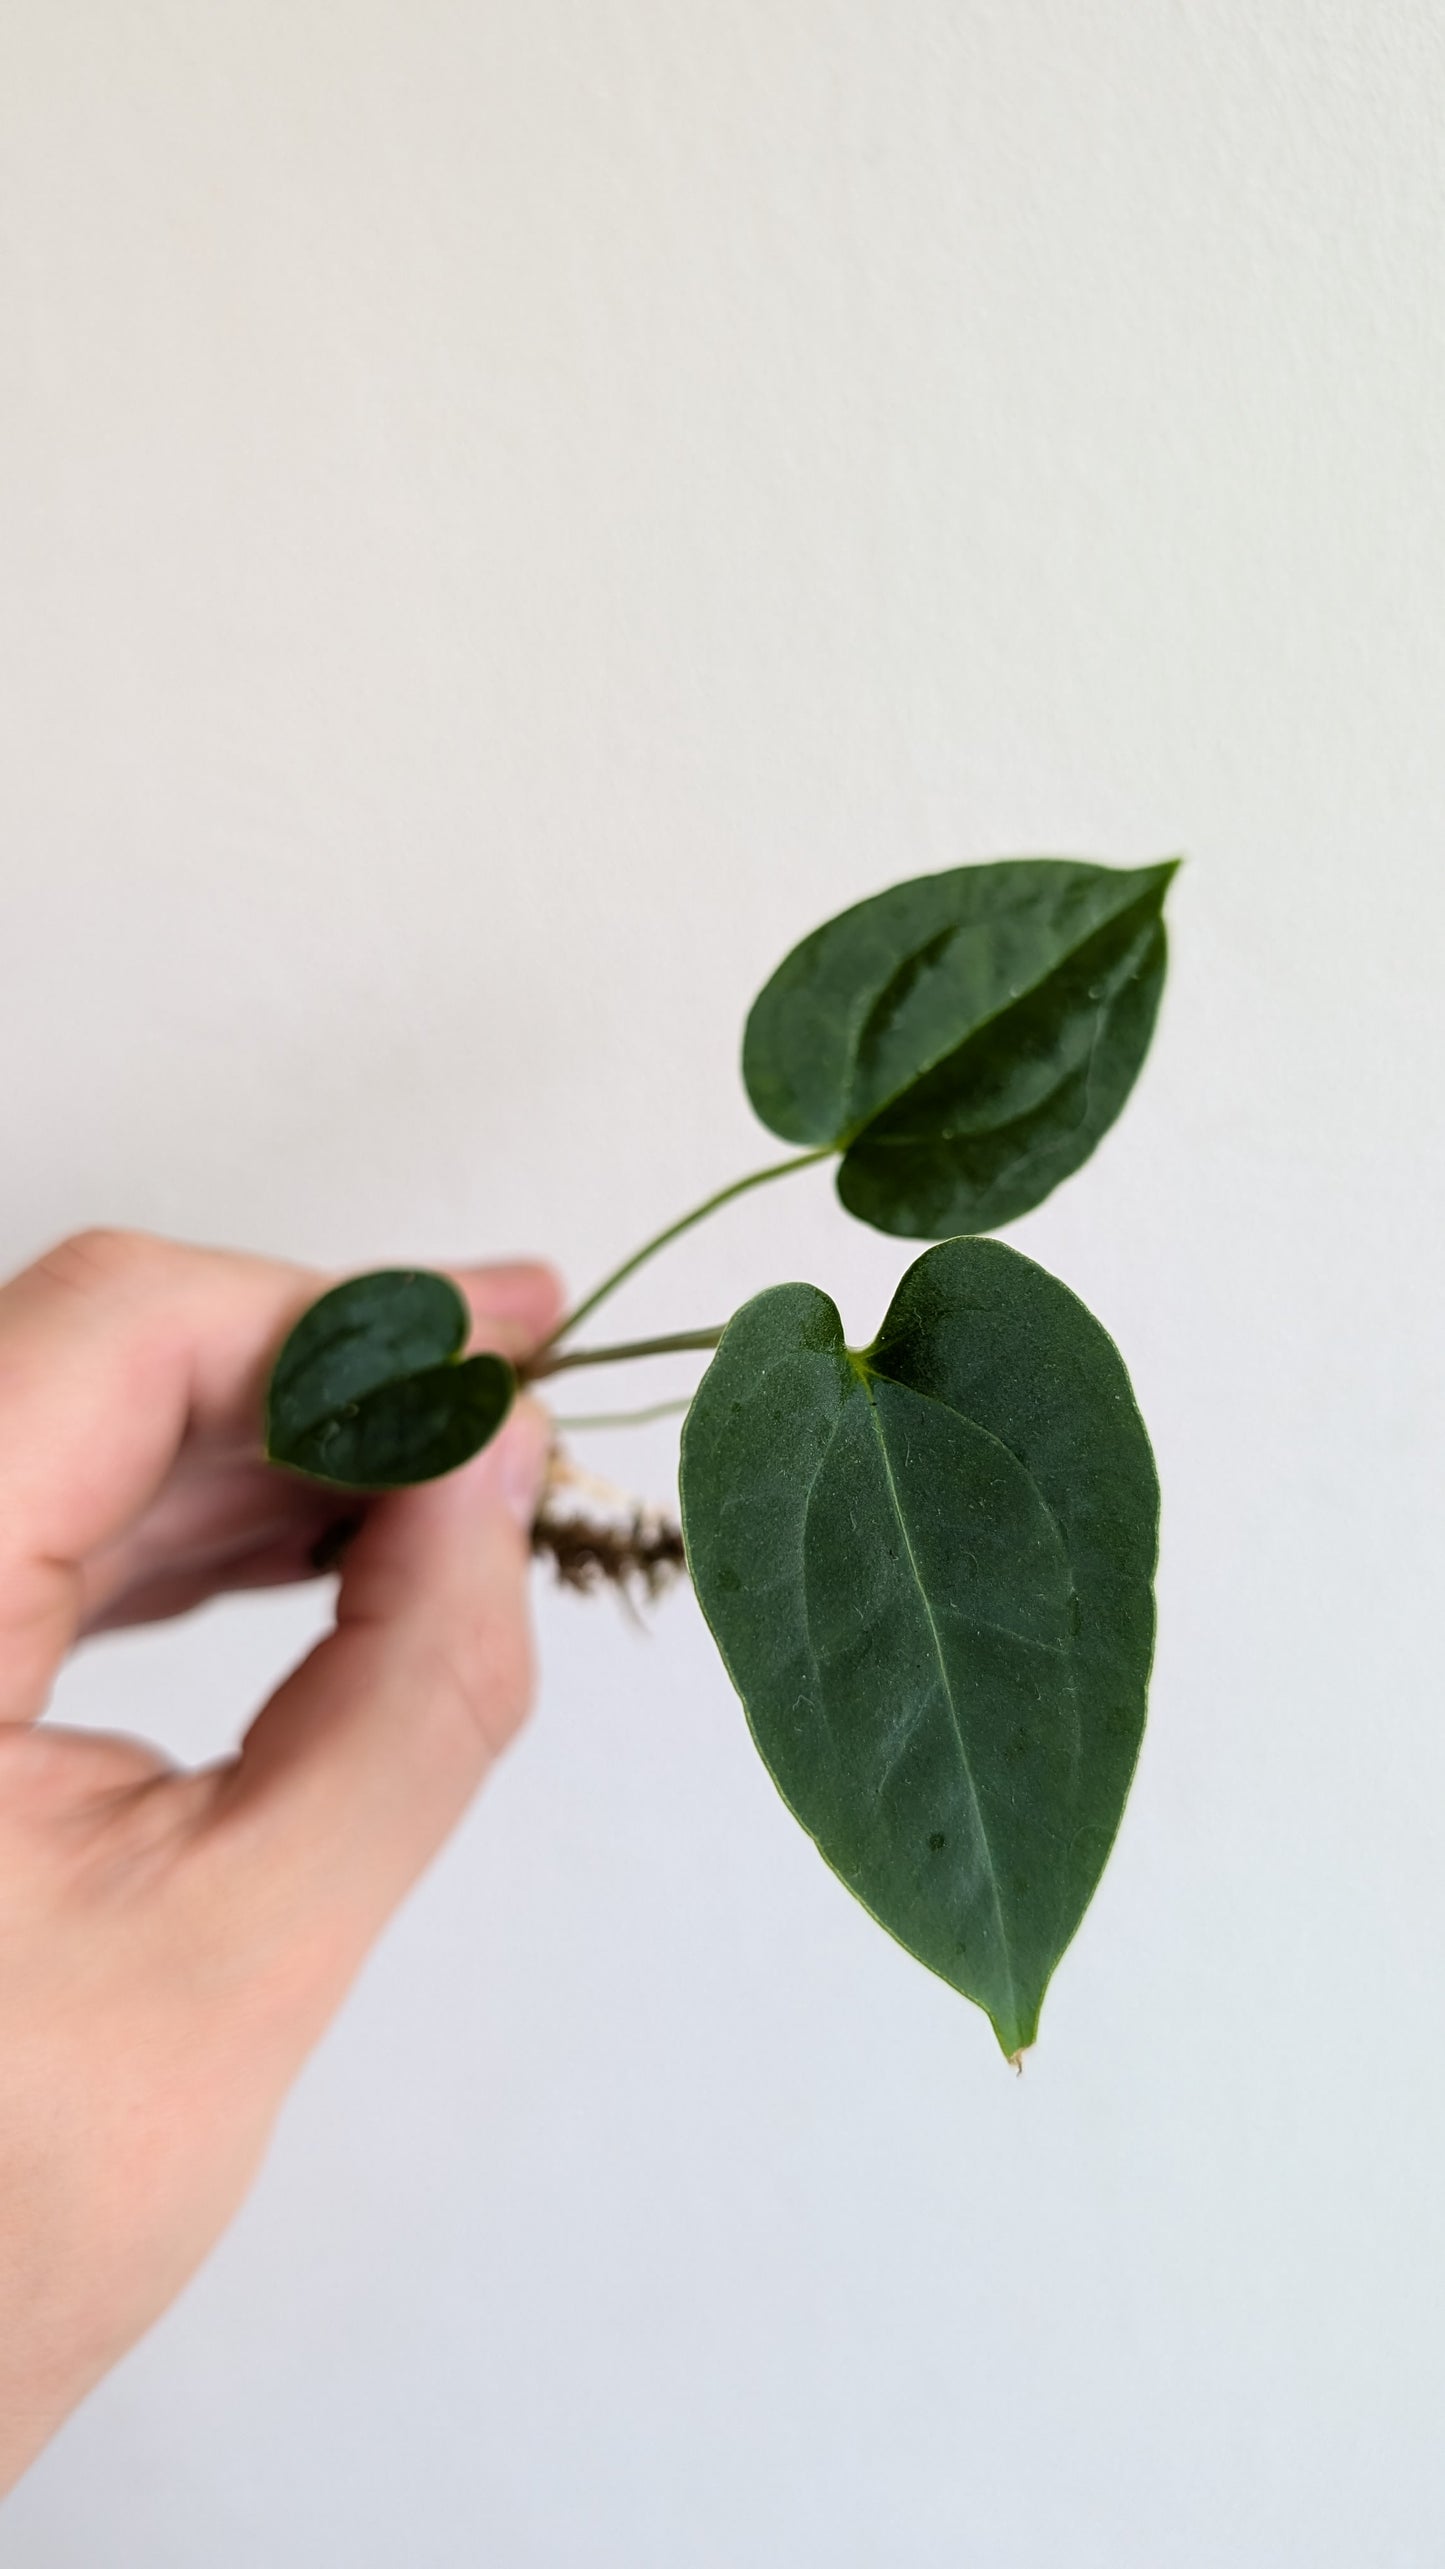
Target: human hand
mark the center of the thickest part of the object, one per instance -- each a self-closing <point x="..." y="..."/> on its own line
<point x="171" y="1944"/>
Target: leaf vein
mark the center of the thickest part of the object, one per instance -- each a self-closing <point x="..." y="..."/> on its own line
<point x="949" y="1699"/>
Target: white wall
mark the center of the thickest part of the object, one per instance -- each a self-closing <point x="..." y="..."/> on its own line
<point x="512" y="510"/>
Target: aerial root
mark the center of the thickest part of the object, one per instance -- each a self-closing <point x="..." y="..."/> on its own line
<point x="596" y="1535"/>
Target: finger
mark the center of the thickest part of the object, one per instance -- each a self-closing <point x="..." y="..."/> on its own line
<point x="113" y="1350"/>
<point x="168" y="1571"/>
<point x="359" y="1766"/>
<point x="215" y="1513"/>
<point x="287" y="1563"/>
<point x="224" y="1519"/>
<point x="514" y="1307"/>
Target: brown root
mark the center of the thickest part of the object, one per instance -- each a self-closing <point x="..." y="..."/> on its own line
<point x="587" y="1552"/>
<point x="594" y="1535"/>
<point x="597" y="1536"/>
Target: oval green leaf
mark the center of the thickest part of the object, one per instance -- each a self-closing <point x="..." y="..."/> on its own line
<point x="964" y="1039"/>
<point x="929" y="1571"/>
<point x="371" y="1392"/>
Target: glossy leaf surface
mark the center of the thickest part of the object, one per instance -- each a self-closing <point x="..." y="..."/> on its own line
<point x="965" y="1039"/>
<point x="371" y="1392"/>
<point x="928" y="1569"/>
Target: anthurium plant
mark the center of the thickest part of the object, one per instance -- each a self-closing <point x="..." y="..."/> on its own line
<point x="928" y="1562"/>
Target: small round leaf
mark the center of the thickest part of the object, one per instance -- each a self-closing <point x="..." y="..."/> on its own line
<point x="371" y="1392"/>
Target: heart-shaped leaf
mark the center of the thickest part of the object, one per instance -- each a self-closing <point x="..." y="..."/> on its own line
<point x="370" y="1390"/>
<point x="964" y="1039"/>
<point x="928" y="1568"/>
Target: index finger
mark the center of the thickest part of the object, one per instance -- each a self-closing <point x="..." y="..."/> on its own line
<point x="113" y="1349"/>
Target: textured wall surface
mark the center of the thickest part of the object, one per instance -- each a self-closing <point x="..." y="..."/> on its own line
<point x="512" y="509"/>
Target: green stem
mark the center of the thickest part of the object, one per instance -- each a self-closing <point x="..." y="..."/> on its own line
<point x="623" y="1417"/>
<point x="544" y="1363"/>
<point x="674" y="1231"/>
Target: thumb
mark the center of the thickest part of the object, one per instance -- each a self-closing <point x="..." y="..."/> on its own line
<point x="359" y="1766"/>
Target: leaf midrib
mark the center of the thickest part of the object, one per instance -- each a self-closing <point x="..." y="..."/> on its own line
<point x="937" y="1642"/>
<point x="1082" y="1072"/>
<point x="854" y="1132"/>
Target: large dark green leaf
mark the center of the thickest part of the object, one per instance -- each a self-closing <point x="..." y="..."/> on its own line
<point x="964" y="1039"/>
<point x="370" y="1392"/>
<point x="928" y="1568"/>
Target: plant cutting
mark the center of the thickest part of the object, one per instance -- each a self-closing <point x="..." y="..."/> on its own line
<point x="927" y="1563"/>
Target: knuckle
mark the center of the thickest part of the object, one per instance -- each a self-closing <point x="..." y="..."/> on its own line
<point x="97" y="1259"/>
<point x="26" y="1765"/>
